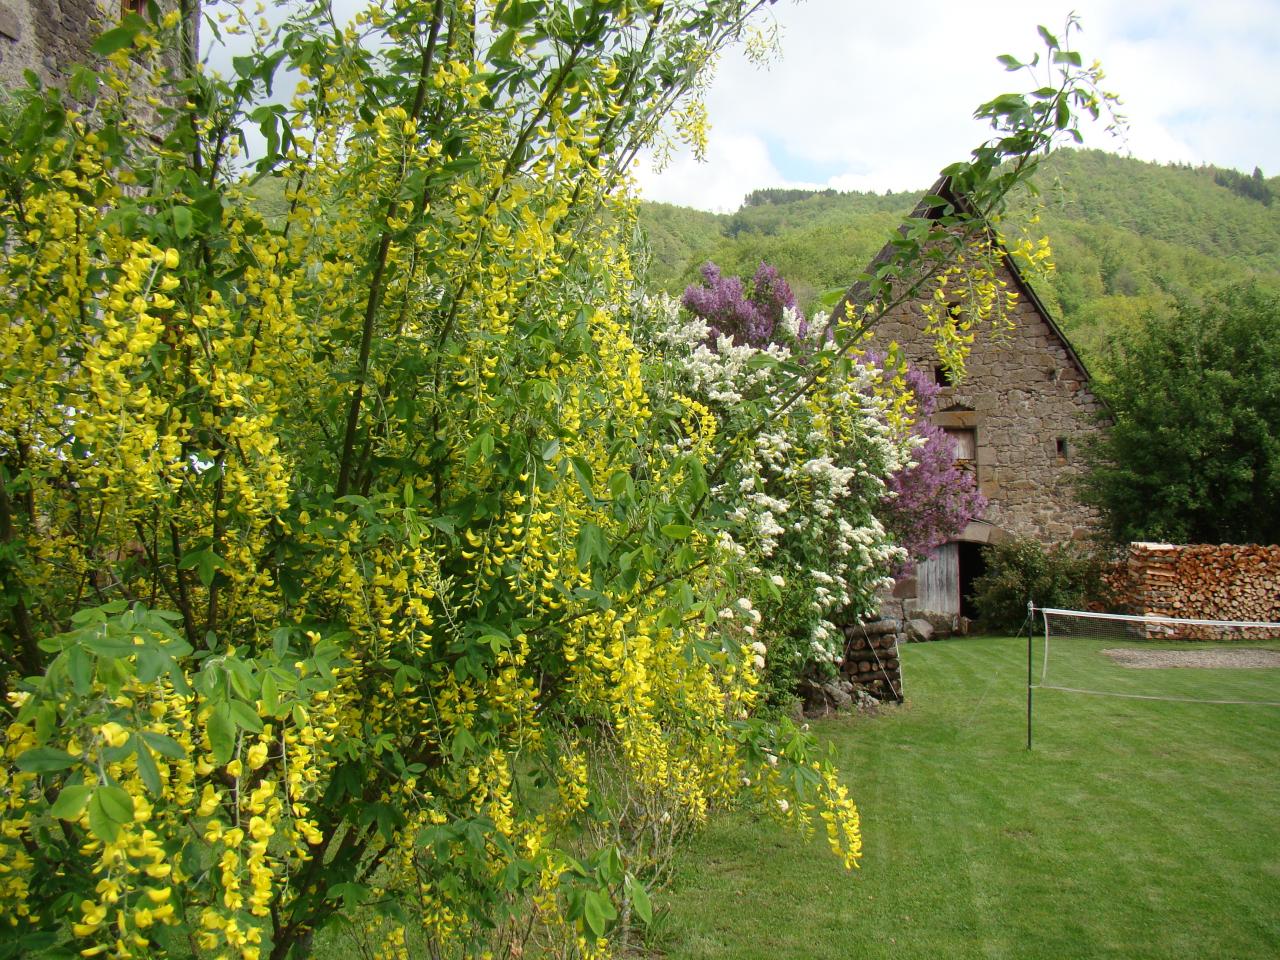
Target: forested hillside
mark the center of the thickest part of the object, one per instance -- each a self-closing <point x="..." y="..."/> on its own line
<point x="1128" y="237"/>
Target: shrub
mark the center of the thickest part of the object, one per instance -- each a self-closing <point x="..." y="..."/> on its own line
<point x="798" y="503"/>
<point x="1193" y="451"/>
<point x="326" y="544"/>
<point x="1021" y="570"/>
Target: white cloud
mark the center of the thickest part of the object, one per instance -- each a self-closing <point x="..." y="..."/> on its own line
<point x="736" y="164"/>
<point x="881" y="97"/>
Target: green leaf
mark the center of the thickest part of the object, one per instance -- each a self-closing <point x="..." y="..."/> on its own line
<point x="117" y="39"/>
<point x="1010" y="63"/>
<point x="697" y="477"/>
<point x="621" y="484"/>
<point x="1049" y="39"/>
<point x="610" y="866"/>
<point x="106" y="644"/>
<point x="501" y="48"/>
<point x="597" y="910"/>
<point x="828" y="299"/>
<point x="80" y="670"/>
<point x="351" y="894"/>
<point x="446" y="525"/>
<point x="222" y="734"/>
<point x="590" y="545"/>
<point x="245" y="716"/>
<point x="496" y="642"/>
<point x="115" y="803"/>
<point x="147" y="768"/>
<point x="163" y="745"/>
<point x="182" y="225"/>
<point x="463" y="744"/>
<point x="101" y="825"/>
<point x="640" y="899"/>
<point x="586" y="479"/>
<point x="45" y="760"/>
<point x="71" y="801"/>
<point x="1063" y="114"/>
<point x="270" y="694"/>
<point x="151" y="664"/>
<point x="206" y="563"/>
<point x="677" y="531"/>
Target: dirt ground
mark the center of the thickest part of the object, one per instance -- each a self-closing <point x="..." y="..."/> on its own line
<point x="1215" y="657"/>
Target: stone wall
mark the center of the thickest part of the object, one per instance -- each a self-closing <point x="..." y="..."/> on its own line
<point x="46" y="37"/>
<point x="1028" y="401"/>
<point x="49" y="37"/>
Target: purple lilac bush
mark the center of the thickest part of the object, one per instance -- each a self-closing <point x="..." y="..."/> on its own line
<point x="929" y="503"/>
<point x="746" y="315"/>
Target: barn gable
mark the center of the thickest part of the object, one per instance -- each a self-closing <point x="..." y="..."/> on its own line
<point x="1019" y="418"/>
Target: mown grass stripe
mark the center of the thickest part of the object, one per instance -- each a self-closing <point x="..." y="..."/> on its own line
<point x="1135" y="829"/>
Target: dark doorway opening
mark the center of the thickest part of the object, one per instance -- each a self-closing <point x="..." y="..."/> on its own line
<point x="973" y="564"/>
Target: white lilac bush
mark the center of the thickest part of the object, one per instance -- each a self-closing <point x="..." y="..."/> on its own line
<point x="798" y="507"/>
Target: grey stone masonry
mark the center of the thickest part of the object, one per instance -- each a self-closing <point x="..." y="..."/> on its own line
<point x="1027" y="399"/>
<point x="49" y="37"/>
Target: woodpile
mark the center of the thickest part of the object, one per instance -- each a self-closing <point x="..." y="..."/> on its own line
<point x="1205" y="582"/>
<point x="871" y="658"/>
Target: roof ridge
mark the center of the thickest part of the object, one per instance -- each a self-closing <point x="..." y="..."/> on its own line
<point x="942" y="187"/>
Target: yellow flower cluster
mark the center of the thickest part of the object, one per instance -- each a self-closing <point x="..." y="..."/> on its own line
<point x="370" y="499"/>
<point x="969" y="294"/>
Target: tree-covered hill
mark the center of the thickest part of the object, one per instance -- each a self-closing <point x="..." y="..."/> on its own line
<point x="1129" y="238"/>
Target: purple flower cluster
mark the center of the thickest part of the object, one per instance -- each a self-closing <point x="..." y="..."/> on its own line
<point x="931" y="502"/>
<point x="748" y="316"/>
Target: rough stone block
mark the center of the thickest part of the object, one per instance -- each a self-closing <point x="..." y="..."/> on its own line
<point x="919" y="630"/>
<point x="10" y="26"/>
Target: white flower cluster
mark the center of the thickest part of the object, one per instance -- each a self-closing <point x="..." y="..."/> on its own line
<point x="801" y="495"/>
<point x="726" y="374"/>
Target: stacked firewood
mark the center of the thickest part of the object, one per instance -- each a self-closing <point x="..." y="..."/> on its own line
<point x="871" y="658"/>
<point x="1205" y="581"/>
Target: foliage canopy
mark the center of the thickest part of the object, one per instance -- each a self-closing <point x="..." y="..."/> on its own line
<point x="1193" y="453"/>
<point x="1021" y="571"/>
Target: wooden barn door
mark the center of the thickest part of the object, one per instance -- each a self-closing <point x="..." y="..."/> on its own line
<point x="938" y="581"/>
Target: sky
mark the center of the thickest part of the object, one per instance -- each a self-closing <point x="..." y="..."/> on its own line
<point x="880" y="96"/>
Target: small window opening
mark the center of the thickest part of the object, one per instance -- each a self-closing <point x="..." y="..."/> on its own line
<point x="1064" y="449"/>
<point x="942" y="376"/>
<point x="966" y="445"/>
<point x="131" y="6"/>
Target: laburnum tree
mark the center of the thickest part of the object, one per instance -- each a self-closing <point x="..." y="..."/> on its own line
<point x="333" y="546"/>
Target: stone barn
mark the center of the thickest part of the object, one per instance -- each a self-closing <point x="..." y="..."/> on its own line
<point x="1017" y="419"/>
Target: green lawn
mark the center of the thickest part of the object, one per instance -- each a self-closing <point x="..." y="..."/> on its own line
<point x="1134" y="829"/>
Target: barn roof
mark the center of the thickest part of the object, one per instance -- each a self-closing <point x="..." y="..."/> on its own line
<point x="857" y="294"/>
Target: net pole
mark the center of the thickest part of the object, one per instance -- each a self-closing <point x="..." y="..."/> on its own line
<point x="1031" y="620"/>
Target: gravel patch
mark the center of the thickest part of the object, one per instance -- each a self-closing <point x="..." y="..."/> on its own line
<point x="1240" y="658"/>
